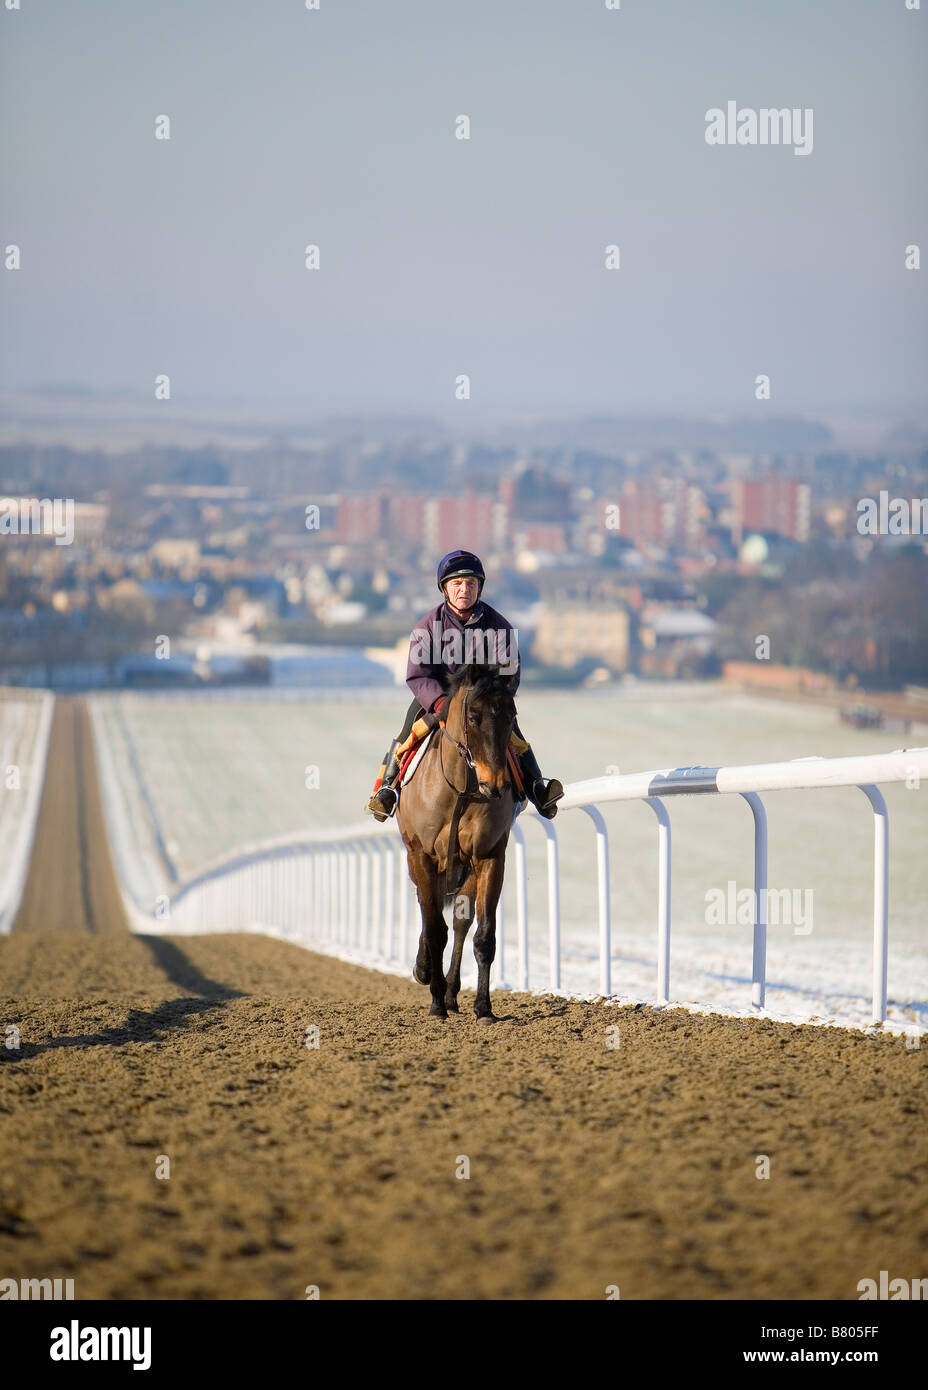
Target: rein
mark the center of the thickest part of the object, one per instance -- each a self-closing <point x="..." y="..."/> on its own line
<point x="470" y="788"/>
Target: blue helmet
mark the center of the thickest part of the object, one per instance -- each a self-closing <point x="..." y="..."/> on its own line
<point x="460" y="564"/>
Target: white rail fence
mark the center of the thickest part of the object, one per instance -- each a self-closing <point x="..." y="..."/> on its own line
<point x="348" y="893"/>
<point x="25" y="725"/>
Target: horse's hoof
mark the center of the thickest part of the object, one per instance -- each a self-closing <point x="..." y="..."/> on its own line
<point x="436" y="1012"/>
<point x="452" y="1006"/>
<point x="487" y="1018"/>
<point x="422" y="974"/>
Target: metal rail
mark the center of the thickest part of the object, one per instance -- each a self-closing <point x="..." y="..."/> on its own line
<point x="344" y="892"/>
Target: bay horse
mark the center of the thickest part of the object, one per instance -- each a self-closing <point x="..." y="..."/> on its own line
<point x="454" y="817"/>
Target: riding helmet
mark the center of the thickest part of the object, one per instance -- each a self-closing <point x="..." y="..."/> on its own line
<point x="460" y="564"/>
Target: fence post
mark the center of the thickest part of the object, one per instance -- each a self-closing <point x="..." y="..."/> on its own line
<point x="405" y="909"/>
<point x="499" y="964"/>
<point x="344" y="921"/>
<point x="605" y="907"/>
<point x="759" y="969"/>
<point x="880" y="898"/>
<point x="390" y="899"/>
<point x="521" y="905"/>
<point x="664" y="870"/>
<point x="361" y="871"/>
<point x="325" y="919"/>
<point x="554" y="903"/>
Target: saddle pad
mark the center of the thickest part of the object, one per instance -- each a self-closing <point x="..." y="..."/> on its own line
<point x="414" y="757"/>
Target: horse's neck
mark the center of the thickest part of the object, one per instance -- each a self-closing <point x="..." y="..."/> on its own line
<point x="449" y="750"/>
<point x="453" y="718"/>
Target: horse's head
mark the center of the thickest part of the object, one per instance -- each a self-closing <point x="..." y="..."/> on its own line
<point x="480" y="715"/>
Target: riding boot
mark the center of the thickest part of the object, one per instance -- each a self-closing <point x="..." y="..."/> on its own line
<point x="382" y="804"/>
<point x="543" y="793"/>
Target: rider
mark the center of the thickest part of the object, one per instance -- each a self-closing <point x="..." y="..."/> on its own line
<point x="471" y="626"/>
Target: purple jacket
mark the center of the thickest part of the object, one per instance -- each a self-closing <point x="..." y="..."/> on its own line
<point x="441" y="644"/>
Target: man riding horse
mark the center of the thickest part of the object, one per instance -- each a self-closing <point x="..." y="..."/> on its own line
<point x="460" y="630"/>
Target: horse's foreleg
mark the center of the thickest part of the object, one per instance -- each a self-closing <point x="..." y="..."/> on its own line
<point x="464" y="904"/>
<point x="420" y="871"/>
<point x="489" y="887"/>
<point x="429" y="961"/>
<point x="437" y="935"/>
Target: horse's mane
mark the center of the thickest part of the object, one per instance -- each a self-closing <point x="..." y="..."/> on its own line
<point x="478" y="681"/>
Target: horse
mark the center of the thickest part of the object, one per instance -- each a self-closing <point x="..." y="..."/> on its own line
<point x="454" y="817"/>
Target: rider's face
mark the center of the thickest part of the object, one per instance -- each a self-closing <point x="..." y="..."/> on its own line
<point x="462" y="593"/>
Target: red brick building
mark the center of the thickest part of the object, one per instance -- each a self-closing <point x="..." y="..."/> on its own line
<point x="773" y="505"/>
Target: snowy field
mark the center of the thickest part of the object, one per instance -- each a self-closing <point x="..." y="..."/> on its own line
<point x="25" y="718"/>
<point x="197" y="778"/>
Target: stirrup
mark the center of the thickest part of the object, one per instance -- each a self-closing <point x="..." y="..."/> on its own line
<point x="383" y="803"/>
<point x="546" y="794"/>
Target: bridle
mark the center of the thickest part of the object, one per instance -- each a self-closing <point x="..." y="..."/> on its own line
<point x="471" y="787"/>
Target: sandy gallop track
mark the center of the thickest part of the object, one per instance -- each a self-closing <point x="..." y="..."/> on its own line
<point x="336" y="1167"/>
<point x="71" y="886"/>
<point x="632" y="1165"/>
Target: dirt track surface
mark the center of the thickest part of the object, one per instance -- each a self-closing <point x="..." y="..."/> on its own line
<point x="71" y="886"/>
<point x="336" y="1166"/>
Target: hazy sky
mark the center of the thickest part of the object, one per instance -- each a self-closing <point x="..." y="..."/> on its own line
<point x="441" y="256"/>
